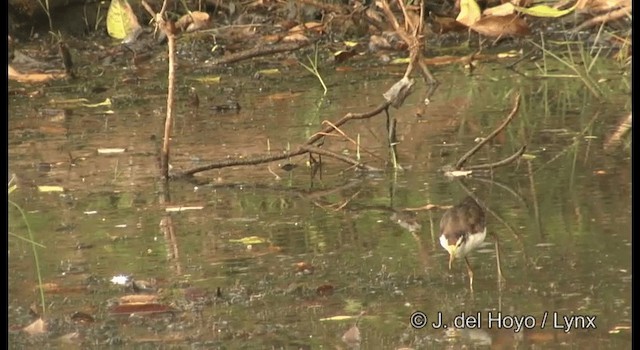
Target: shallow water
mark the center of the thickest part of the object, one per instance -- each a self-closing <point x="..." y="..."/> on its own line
<point x="328" y="245"/>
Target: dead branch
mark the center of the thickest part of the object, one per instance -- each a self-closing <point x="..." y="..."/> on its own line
<point x="500" y="163"/>
<point x="491" y="136"/>
<point x="307" y="147"/>
<point x="350" y="116"/>
<point x="257" y="52"/>
<point x="168" y="29"/>
<point x="604" y="18"/>
<point x="324" y="152"/>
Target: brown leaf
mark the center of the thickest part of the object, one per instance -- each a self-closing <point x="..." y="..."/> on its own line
<point x="500" y="26"/>
<point x="193" y="21"/>
<point x="138" y="299"/>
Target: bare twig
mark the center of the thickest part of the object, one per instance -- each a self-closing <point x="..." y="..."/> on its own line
<point x="500" y="163"/>
<point x="609" y="16"/>
<point x="506" y="122"/>
<point x="414" y="41"/>
<point x="321" y="151"/>
<point x="350" y="116"/>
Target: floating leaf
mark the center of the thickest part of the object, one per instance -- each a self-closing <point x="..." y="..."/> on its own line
<point x="106" y="102"/>
<point x="469" y="12"/>
<point x="338" y="318"/>
<point x="50" y="189"/>
<point x="208" y="79"/>
<point x="458" y="173"/>
<point x="400" y="60"/>
<point x="545" y="11"/>
<point x="248" y="240"/>
<point x="141" y="309"/>
<point x="138" y="299"/>
<point x="182" y="208"/>
<point x="111" y="150"/>
<point x="121" y="21"/>
<point x="33" y="77"/>
<point x="271" y="71"/>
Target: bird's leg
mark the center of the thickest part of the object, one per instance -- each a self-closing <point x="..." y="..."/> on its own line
<point x="470" y="272"/>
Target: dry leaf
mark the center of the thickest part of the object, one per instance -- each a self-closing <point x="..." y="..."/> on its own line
<point x="37" y="327"/>
<point x="500" y="26"/>
<point x="295" y="37"/>
<point x="312" y="26"/>
<point x="193" y="21"/>
<point x="138" y="299"/>
<point x="33" y="77"/>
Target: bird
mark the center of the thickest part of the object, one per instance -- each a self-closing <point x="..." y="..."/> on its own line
<point x="462" y="229"/>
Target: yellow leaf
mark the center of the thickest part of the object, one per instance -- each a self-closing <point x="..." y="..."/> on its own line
<point x="469" y="12"/>
<point x="400" y="60"/>
<point x="50" y="189"/>
<point x="544" y="11"/>
<point x="121" y="21"/>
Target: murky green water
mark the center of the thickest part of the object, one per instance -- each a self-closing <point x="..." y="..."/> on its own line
<point x="330" y="245"/>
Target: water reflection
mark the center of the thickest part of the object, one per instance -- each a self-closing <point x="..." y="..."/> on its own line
<point x="565" y="247"/>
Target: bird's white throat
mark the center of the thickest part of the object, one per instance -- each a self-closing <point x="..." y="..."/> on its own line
<point x="473" y="241"/>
